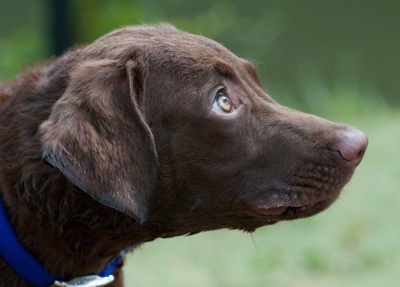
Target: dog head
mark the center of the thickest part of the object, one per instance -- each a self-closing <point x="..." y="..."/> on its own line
<point x="175" y="130"/>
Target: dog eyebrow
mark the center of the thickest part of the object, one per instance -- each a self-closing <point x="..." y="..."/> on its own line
<point x="228" y="70"/>
<point x="249" y="67"/>
<point x="225" y="69"/>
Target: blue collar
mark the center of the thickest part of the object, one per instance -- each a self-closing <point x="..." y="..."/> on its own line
<point x="23" y="263"/>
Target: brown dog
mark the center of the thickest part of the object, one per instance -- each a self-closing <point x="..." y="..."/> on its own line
<point x="152" y="132"/>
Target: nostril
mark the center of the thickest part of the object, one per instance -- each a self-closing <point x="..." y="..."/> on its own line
<point x="352" y="145"/>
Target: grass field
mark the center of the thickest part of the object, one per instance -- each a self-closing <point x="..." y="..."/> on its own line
<point x="356" y="242"/>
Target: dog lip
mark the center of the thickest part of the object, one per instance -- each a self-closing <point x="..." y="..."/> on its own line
<point x="273" y="211"/>
<point x="283" y="211"/>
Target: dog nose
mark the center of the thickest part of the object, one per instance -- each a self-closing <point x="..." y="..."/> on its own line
<point x="352" y="145"/>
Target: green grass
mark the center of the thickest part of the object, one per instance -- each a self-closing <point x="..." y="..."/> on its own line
<point x="356" y="242"/>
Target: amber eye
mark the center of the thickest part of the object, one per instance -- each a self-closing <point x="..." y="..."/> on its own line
<point x="223" y="103"/>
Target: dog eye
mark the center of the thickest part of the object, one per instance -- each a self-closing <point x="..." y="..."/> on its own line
<point x="223" y="103"/>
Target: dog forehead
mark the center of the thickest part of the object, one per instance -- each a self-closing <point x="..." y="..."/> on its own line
<point x="168" y="35"/>
<point x="161" y="42"/>
<point x="169" y="51"/>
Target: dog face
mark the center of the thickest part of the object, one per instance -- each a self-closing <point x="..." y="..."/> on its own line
<point x="177" y="132"/>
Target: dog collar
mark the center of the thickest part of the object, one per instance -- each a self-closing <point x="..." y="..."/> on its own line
<point x="24" y="264"/>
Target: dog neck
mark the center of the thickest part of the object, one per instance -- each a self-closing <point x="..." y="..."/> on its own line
<point x="27" y="267"/>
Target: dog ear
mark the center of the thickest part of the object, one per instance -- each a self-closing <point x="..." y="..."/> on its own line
<point x="97" y="136"/>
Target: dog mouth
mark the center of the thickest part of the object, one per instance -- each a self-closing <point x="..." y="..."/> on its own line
<point x="293" y="212"/>
<point x="308" y="191"/>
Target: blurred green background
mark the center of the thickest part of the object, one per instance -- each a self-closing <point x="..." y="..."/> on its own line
<point x="337" y="59"/>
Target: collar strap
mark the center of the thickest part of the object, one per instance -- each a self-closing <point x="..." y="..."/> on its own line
<point x="24" y="264"/>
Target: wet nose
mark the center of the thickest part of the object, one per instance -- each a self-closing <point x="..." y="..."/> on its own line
<point x="352" y="145"/>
